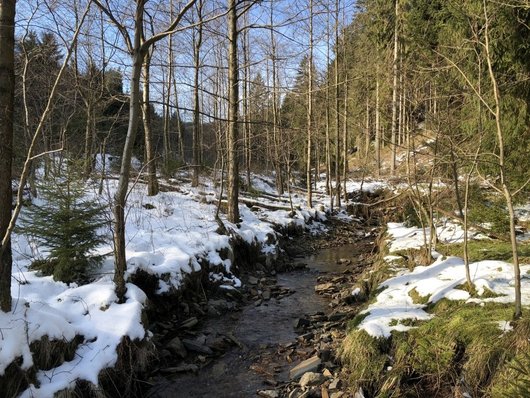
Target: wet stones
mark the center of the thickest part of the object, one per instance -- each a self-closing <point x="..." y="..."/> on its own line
<point x="309" y="365"/>
<point x="175" y="346"/>
<point x="268" y="394"/>
<point x="261" y="290"/>
<point x="310" y="379"/>
<point x="198" y="345"/>
<point x="325" y="288"/>
<point x="189" y="323"/>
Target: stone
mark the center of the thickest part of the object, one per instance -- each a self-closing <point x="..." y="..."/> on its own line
<point x="252" y="280"/>
<point x="164" y="354"/>
<point x="309" y="379"/>
<point x="189" y="323"/>
<point x="335" y="384"/>
<point x="268" y="394"/>
<point x="301" y="323"/>
<point x="309" y="365"/>
<point x="337" y="316"/>
<point x="325" y="354"/>
<point x="217" y="343"/>
<point x="326" y="373"/>
<point x="195" y="346"/>
<point x="306" y="337"/>
<point x="176" y="347"/>
<point x="267" y="295"/>
<point x="185" y="367"/>
<point x="338" y="394"/>
<point x="323" y="287"/>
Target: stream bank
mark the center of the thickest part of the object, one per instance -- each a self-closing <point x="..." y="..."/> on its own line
<point x="239" y="343"/>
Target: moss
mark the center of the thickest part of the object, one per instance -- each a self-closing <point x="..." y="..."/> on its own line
<point x="480" y="250"/>
<point x="417" y="298"/>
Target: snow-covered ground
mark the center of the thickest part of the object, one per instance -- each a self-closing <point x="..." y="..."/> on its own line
<point x="167" y="235"/>
<point x="434" y="282"/>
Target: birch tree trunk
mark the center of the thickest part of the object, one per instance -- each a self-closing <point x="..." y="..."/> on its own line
<point x="152" y="183"/>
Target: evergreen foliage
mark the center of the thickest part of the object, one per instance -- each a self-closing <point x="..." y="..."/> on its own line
<point x="66" y="222"/>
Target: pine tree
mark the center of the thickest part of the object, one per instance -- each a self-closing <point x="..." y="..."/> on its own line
<point x="67" y="223"/>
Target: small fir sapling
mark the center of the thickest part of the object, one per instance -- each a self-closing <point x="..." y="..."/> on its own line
<point x="67" y="222"/>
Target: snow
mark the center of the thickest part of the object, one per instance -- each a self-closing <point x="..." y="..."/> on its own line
<point x="167" y="236"/>
<point x="437" y="281"/>
<point x="402" y="237"/>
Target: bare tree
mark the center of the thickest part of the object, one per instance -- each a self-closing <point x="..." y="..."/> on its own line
<point x="233" y="115"/>
<point x="310" y="110"/>
<point x="138" y="48"/>
<point x="7" y="94"/>
<point x="150" y="157"/>
<point x="395" y="89"/>
<point x="197" y="43"/>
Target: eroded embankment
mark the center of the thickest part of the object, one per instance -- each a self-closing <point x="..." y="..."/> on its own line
<point x="238" y="343"/>
<point x="196" y="325"/>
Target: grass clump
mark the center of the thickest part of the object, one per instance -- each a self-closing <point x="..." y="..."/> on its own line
<point x="463" y="342"/>
<point x="461" y="348"/>
<point x="513" y="379"/>
<point x="480" y="250"/>
<point x="365" y="357"/>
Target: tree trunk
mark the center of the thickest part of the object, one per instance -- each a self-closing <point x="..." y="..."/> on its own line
<point x="233" y="114"/>
<point x="337" y="113"/>
<point x="90" y="133"/>
<point x="367" y="130"/>
<point x="7" y="91"/>
<point x="166" y="140"/>
<point x="246" y="103"/>
<point x="310" y="110"/>
<point x="394" y="91"/>
<point x="377" y="127"/>
<point x="502" y="167"/>
<point x="120" y="265"/>
<point x="197" y="43"/>
<point x="345" y="139"/>
<point x="277" y="141"/>
<point x="152" y="182"/>
<point x="329" y="187"/>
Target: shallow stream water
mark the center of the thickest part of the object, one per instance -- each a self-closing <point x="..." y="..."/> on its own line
<point x="259" y="329"/>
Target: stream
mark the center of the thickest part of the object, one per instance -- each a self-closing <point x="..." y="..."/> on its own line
<point x="259" y="330"/>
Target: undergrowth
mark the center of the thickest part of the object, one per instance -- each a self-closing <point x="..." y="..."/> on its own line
<point x="480" y="250"/>
<point x="462" y="350"/>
